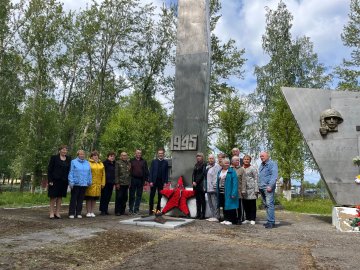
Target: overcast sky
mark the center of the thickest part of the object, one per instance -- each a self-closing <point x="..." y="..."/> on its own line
<point x="244" y="21"/>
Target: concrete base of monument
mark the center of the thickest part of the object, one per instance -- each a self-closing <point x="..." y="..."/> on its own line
<point x="341" y="218"/>
<point x="171" y="223"/>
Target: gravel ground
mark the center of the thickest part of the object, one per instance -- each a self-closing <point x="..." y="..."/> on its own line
<point x="30" y="240"/>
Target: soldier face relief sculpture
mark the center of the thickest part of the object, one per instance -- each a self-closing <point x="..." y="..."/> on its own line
<point x="329" y="121"/>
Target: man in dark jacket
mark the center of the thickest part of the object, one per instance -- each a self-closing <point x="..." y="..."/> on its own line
<point x="198" y="178"/>
<point x="139" y="174"/>
<point x="158" y="178"/>
<point x="122" y="182"/>
<point x="106" y="192"/>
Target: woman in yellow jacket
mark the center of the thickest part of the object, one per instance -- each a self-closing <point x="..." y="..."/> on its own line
<point x="98" y="182"/>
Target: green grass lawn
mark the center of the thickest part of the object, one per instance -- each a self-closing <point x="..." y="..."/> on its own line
<point x="308" y="205"/>
<point x="23" y="199"/>
<point x="299" y="205"/>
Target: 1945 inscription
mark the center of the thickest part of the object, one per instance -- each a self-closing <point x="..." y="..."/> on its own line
<point x="184" y="143"/>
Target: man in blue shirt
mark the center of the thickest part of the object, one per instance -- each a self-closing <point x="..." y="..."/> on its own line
<point x="268" y="174"/>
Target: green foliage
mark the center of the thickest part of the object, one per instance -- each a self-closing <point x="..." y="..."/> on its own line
<point x="132" y="126"/>
<point x="150" y="54"/>
<point x="286" y="142"/>
<point x="62" y="75"/>
<point x="227" y="61"/>
<point x="11" y="92"/>
<point x="232" y="124"/>
<point x="40" y="37"/>
<point x="321" y="184"/>
<point x="308" y="205"/>
<point x="307" y="184"/>
<point x="349" y="72"/>
<point x="293" y="64"/>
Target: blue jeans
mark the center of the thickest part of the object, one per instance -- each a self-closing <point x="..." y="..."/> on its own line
<point x="268" y="199"/>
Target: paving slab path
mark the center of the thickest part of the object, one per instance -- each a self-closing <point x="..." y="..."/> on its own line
<point x="30" y="240"/>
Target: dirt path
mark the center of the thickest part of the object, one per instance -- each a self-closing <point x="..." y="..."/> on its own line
<point x="29" y="240"/>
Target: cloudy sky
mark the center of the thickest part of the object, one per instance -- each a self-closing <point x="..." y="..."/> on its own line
<point x="244" y="21"/>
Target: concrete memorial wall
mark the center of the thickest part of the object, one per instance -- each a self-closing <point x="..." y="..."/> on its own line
<point x="330" y="123"/>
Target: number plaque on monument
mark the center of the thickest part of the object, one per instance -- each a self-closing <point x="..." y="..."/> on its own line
<point x="184" y="143"/>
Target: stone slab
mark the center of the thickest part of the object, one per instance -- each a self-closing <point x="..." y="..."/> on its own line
<point x="334" y="152"/>
<point x="192" y="83"/>
<point x="341" y="216"/>
<point x="168" y="225"/>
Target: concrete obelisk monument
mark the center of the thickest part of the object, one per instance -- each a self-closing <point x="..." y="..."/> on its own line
<point x="192" y="82"/>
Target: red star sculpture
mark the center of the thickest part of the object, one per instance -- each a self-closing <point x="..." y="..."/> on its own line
<point x="177" y="197"/>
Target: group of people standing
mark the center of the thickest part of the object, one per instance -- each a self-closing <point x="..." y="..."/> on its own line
<point x="232" y="185"/>
<point x="86" y="179"/>
<point x="92" y="179"/>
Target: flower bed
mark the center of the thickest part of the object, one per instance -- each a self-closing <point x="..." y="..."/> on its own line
<point x="355" y="222"/>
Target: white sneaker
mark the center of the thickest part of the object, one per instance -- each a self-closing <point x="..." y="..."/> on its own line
<point x="223" y="222"/>
<point x="252" y="222"/>
<point x="79" y="216"/>
<point x="228" y="223"/>
<point x="214" y="219"/>
<point x="88" y="215"/>
<point x="93" y="215"/>
<point x="246" y="222"/>
<point x="71" y="216"/>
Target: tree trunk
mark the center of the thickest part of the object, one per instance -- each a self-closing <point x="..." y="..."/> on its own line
<point x="287" y="189"/>
<point x="3" y="176"/>
<point x="22" y="183"/>
<point x="36" y="179"/>
<point x="302" y="189"/>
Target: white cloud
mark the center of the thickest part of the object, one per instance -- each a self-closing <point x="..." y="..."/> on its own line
<point x="322" y="21"/>
<point x="244" y="21"/>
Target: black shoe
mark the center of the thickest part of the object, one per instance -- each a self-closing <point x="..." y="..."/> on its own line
<point x="117" y="214"/>
<point x="107" y="213"/>
<point x="239" y="222"/>
<point x="57" y="217"/>
<point x="102" y="214"/>
<point x="270" y="226"/>
<point x="265" y="224"/>
<point x="202" y="218"/>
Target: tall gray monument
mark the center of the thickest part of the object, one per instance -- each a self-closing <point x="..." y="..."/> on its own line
<point x="330" y="123"/>
<point x="192" y="81"/>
